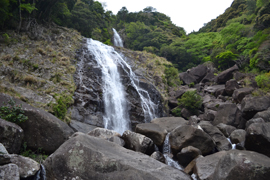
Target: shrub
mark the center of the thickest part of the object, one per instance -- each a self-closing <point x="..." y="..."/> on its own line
<point x="263" y="81"/>
<point x="171" y="75"/>
<point x="60" y="108"/>
<point x="12" y="112"/>
<point x="191" y="101"/>
<point x="176" y="112"/>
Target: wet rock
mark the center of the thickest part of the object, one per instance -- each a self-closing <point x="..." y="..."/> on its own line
<point x="86" y="157"/>
<point x="9" y="172"/>
<point x="251" y="105"/>
<point x="226" y="129"/>
<point x="258" y="138"/>
<point x="230" y="86"/>
<point x="187" y="78"/>
<point x="226" y="75"/>
<point x="187" y="154"/>
<point x="254" y="120"/>
<point x="153" y="131"/>
<point x="138" y="142"/>
<point x="158" y="156"/>
<point x="239" y="94"/>
<point x="205" y="166"/>
<point x="42" y="129"/>
<point x="3" y="149"/>
<point x="198" y="72"/>
<point x="27" y="166"/>
<point x="170" y="123"/>
<point x="242" y="165"/>
<point x="11" y="136"/>
<point x="229" y="114"/>
<point x="187" y="135"/>
<point x="238" y="136"/>
<point x="220" y="140"/>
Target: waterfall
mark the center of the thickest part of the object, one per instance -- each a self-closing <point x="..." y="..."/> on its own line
<point x="233" y="145"/>
<point x="167" y="153"/>
<point x="117" y="41"/>
<point x="115" y="104"/>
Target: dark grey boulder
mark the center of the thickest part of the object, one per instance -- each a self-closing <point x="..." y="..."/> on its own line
<point x="153" y="131"/>
<point x="209" y="115"/>
<point x="170" y="123"/>
<point x="229" y="114"/>
<point x="185" y="113"/>
<point x="215" y="90"/>
<point x="11" y="136"/>
<point x="87" y="157"/>
<point x="226" y="75"/>
<point x="187" y="135"/>
<point x="251" y="105"/>
<point x="187" y="78"/>
<point x="138" y="142"/>
<point x="242" y="165"/>
<point x="220" y="140"/>
<point x="230" y="86"/>
<point x="42" y="129"/>
<point x="9" y="172"/>
<point x="258" y="138"/>
<point x="265" y="115"/>
<point x="103" y="133"/>
<point x="254" y="120"/>
<point x="205" y="166"/>
<point x="226" y="129"/>
<point x="187" y="154"/>
<point x="238" y="136"/>
<point x="27" y="166"/>
<point x="239" y="94"/>
<point x="158" y="156"/>
<point x="238" y="75"/>
<point x="208" y="78"/>
<point x="81" y="127"/>
<point x="198" y="72"/>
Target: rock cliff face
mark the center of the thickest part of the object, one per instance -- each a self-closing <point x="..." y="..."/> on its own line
<point x="88" y="98"/>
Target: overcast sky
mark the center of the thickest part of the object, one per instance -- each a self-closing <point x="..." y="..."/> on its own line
<point x="189" y="14"/>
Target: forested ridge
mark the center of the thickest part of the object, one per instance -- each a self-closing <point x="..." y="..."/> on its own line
<point x="240" y="35"/>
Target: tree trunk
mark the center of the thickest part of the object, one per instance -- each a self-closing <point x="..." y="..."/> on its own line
<point x="20" y="13"/>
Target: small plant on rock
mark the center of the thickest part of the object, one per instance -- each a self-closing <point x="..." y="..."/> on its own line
<point x="191" y="101"/>
<point x="12" y="112"/>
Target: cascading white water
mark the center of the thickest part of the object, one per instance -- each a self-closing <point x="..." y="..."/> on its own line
<point x="116" y="115"/>
<point x="233" y="145"/>
<point x="117" y="41"/>
<point x="167" y="152"/>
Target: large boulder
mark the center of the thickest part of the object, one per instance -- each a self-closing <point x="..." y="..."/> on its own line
<point x="265" y="115"/>
<point x="81" y="127"/>
<point x="198" y="72"/>
<point x="254" y="120"/>
<point x="186" y="135"/>
<point x="27" y="166"/>
<point x="86" y="157"/>
<point x="187" y="78"/>
<point x="187" y="154"/>
<point x="229" y="114"/>
<point x="153" y="131"/>
<point x="258" y="138"/>
<point x="226" y="75"/>
<point x="226" y="129"/>
<point x="208" y="78"/>
<point x="9" y="172"/>
<point x="3" y="149"/>
<point x="158" y="156"/>
<point x="239" y="94"/>
<point x="103" y="133"/>
<point x="42" y="129"/>
<point x="170" y="123"/>
<point x="206" y="166"/>
<point x="11" y="136"/>
<point x="238" y="136"/>
<point x="251" y="105"/>
<point x="215" y="90"/>
<point x="242" y="165"/>
<point x="138" y="142"/>
<point x="230" y="86"/>
<point x="220" y="140"/>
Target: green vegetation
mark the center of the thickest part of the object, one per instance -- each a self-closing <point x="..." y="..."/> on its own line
<point x="171" y="75"/>
<point x="12" y="112"/>
<point x="177" y="112"/>
<point x="60" y="108"/>
<point x="191" y="101"/>
<point x="263" y="81"/>
<point x="37" y="155"/>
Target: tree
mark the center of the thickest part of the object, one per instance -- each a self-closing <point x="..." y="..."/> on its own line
<point x="149" y="9"/>
<point x="225" y="59"/>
